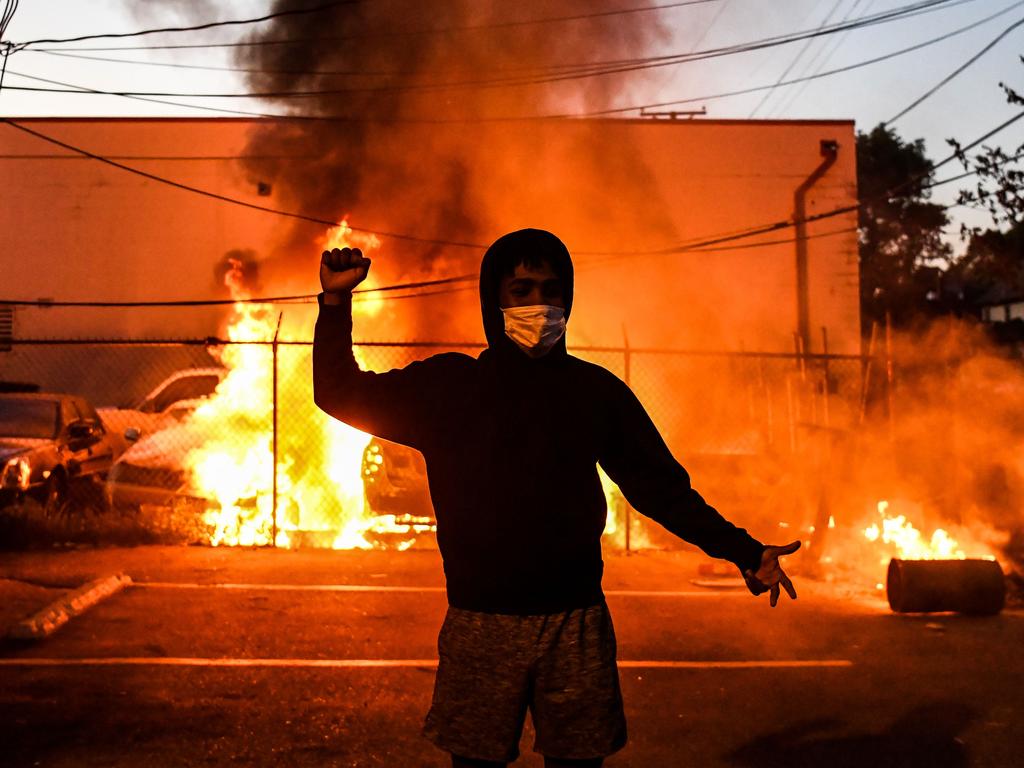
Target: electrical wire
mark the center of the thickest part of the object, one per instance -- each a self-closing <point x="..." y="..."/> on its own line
<point x="6" y="48"/>
<point x="228" y="199"/>
<point x="193" y="28"/>
<point x="591" y="113"/>
<point x="959" y="153"/>
<point x="750" y="232"/>
<point x="831" y="46"/>
<point x="589" y="70"/>
<point x="906" y="11"/>
<point x="362" y="36"/>
<point x="799" y="55"/>
<point x="931" y="91"/>
<point x="714" y="20"/>
<point x="828" y="73"/>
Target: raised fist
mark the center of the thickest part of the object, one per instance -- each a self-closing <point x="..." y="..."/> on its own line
<point x="342" y="269"/>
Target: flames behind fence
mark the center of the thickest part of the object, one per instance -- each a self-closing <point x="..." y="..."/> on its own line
<point x="789" y="447"/>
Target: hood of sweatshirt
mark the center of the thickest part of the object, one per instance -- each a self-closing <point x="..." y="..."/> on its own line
<point x="498" y="260"/>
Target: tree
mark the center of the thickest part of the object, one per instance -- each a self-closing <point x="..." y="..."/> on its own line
<point x="993" y="264"/>
<point x="994" y="260"/>
<point x="900" y="231"/>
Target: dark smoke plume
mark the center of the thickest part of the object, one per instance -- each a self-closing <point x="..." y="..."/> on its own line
<point x="390" y="167"/>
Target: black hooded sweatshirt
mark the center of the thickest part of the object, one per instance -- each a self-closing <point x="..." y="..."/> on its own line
<point x="512" y="445"/>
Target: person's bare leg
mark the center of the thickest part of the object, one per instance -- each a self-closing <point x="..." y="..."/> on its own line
<point x="554" y="762"/>
<point x="469" y="762"/>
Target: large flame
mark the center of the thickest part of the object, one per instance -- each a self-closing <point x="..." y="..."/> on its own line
<point x="320" y="498"/>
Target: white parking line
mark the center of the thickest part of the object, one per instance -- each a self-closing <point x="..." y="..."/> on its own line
<point x="417" y="589"/>
<point x="160" y="661"/>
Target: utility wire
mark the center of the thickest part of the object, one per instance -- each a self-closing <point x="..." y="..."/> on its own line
<point x="692" y="54"/>
<point x="714" y="20"/>
<point x="194" y="28"/>
<point x="593" y="113"/>
<point x="828" y="73"/>
<point x="905" y="11"/>
<point x="795" y="60"/>
<point x="716" y="240"/>
<point x="452" y="286"/>
<point x="362" y="36"/>
<point x="6" y="49"/>
<point x="750" y="232"/>
<point x="228" y="199"/>
<point x="931" y="91"/>
<point x="819" y="62"/>
<point x="594" y="69"/>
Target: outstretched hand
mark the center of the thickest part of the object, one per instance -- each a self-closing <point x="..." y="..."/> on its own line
<point x="770" y="576"/>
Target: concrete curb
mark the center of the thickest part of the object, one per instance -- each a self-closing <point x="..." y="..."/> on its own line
<point x="59" y="612"/>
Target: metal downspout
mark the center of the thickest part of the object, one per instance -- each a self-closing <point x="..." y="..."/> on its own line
<point x="829" y="151"/>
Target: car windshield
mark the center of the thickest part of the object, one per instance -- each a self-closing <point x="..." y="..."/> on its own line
<point x="28" y="418"/>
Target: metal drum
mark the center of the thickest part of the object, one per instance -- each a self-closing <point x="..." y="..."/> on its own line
<point x="927" y="586"/>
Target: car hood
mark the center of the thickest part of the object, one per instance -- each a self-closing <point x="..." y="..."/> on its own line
<point x="166" y="449"/>
<point x="12" y="446"/>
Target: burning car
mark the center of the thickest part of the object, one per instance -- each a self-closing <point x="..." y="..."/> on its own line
<point x="174" y="398"/>
<point x="395" y="480"/>
<point x="54" y="448"/>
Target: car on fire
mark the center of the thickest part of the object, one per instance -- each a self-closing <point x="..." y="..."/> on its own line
<point x="54" y="448"/>
<point x="170" y="401"/>
<point x="395" y="480"/>
<point x="152" y="472"/>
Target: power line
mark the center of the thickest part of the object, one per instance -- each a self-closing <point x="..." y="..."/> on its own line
<point x="931" y="91"/>
<point x="828" y="73"/>
<point x="363" y="35"/>
<point x="583" y="71"/>
<point x="829" y="50"/>
<point x="712" y="241"/>
<point x="902" y="12"/>
<point x="795" y="60"/>
<point x="194" y="28"/>
<point x="592" y="113"/>
<point x="696" y="247"/>
<point x="228" y="199"/>
<point x="714" y="20"/>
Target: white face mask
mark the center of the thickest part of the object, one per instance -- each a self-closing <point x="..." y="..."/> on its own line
<point x="535" y="329"/>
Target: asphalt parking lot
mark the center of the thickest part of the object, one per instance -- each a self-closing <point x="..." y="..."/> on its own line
<point x="318" y="658"/>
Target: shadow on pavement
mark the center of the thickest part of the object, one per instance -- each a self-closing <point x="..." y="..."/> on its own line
<point x="926" y="737"/>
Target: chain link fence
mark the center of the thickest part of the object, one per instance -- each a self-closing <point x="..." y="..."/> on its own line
<point x="197" y="428"/>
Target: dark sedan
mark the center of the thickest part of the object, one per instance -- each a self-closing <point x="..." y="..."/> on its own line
<point x="53" y="448"/>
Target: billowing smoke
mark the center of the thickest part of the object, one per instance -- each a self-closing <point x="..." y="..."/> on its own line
<point x="407" y="88"/>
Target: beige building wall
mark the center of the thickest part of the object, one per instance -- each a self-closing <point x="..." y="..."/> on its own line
<point x="621" y="193"/>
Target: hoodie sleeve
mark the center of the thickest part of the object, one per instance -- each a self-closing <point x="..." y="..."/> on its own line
<point x="397" y="405"/>
<point x="637" y="459"/>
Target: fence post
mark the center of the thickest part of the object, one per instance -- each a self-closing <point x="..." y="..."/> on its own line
<point x="273" y="525"/>
<point x="825" y="391"/>
<point x="890" y="377"/>
<point x="626" y="377"/>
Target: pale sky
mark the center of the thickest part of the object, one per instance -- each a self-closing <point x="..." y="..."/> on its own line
<point x="965" y="108"/>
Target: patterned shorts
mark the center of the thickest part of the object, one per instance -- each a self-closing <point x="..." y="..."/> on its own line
<point x="493" y="667"/>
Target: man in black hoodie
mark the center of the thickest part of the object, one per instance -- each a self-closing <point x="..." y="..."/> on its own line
<point x="512" y="440"/>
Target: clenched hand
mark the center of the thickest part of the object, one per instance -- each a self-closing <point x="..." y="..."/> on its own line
<point x="342" y="269"/>
<point x="770" y="575"/>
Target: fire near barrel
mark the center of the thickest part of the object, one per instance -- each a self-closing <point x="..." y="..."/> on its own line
<point x="965" y="586"/>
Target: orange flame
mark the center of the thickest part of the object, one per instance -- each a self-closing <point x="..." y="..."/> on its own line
<point x="906" y="542"/>
<point x="319" y="485"/>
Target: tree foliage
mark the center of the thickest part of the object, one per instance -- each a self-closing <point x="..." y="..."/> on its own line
<point x="993" y="263"/>
<point x="900" y="231"/>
